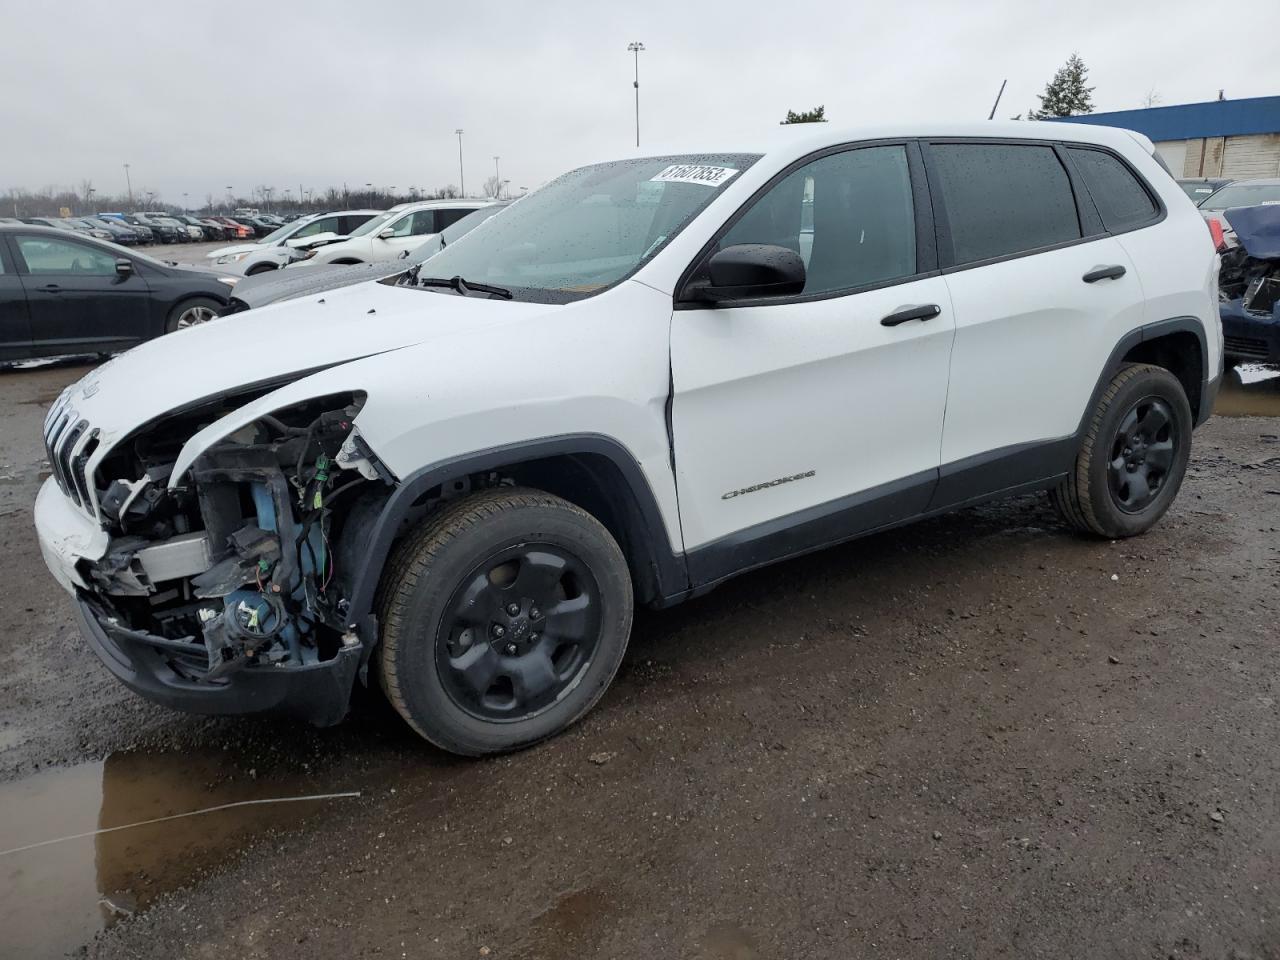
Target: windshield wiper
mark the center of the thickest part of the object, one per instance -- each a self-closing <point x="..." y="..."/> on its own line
<point x="461" y="287"/>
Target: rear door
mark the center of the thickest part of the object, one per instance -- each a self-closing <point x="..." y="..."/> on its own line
<point x="77" y="301"/>
<point x="15" y="326"/>
<point x="1041" y="296"/>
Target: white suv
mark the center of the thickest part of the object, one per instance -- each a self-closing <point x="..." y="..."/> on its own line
<point x="393" y="234"/>
<point x="277" y="248"/>
<point x="644" y="378"/>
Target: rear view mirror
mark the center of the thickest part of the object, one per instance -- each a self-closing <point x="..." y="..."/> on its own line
<point x="386" y="233"/>
<point x="124" y="268"/>
<point x="746" y="271"/>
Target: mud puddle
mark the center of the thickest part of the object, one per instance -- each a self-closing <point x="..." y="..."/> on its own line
<point x="1251" y="390"/>
<point x="55" y="896"/>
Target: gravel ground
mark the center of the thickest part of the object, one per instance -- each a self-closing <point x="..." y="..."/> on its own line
<point x="980" y="736"/>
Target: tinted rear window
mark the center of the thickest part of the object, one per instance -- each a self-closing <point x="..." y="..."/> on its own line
<point x="1003" y="199"/>
<point x="1122" y="201"/>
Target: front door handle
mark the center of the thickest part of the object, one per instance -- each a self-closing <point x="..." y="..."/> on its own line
<point x="50" y="288"/>
<point x="926" y="312"/>
<point x="1113" y="272"/>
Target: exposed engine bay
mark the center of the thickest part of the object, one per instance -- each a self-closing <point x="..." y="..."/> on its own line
<point x="233" y="568"/>
<point x="1251" y="269"/>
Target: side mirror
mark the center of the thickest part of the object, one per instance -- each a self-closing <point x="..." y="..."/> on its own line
<point x="124" y="268"/>
<point x="386" y="233"/>
<point x="746" y="271"/>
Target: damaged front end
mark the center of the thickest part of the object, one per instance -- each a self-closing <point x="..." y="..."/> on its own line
<point x="1249" y="286"/>
<point x="221" y="593"/>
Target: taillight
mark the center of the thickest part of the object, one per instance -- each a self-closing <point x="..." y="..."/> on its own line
<point x="1215" y="231"/>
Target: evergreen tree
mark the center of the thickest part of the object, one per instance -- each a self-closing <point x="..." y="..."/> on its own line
<point x="816" y="115"/>
<point x="1066" y="94"/>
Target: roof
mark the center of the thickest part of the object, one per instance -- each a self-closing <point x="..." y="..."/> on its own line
<point x="800" y="139"/>
<point x="1186" y="121"/>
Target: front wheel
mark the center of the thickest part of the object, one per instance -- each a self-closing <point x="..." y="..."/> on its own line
<point x="504" y="618"/>
<point x="1133" y="455"/>
<point x="190" y="313"/>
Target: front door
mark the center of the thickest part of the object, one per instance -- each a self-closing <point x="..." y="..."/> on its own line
<point x="77" y="300"/>
<point x="803" y="420"/>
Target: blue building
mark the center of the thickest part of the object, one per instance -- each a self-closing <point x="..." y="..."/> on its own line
<point x="1221" y="138"/>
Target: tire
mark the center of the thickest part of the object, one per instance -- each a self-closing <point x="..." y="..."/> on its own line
<point x="463" y="606"/>
<point x="259" y="268"/>
<point x="1132" y="458"/>
<point x="191" y="312"/>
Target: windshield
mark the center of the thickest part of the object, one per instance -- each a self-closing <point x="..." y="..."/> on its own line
<point x="1197" y="190"/>
<point x="1243" y="195"/>
<point x="371" y="225"/>
<point x="590" y="228"/>
<point x="277" y="235"/>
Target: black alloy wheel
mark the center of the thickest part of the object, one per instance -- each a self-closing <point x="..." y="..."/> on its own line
<point x="1142" y="454"/>
<point x="518" y="632"/>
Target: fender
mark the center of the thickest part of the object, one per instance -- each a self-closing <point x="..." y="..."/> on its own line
<point x="1209" y="380"/>
<point x="661" y="563"/>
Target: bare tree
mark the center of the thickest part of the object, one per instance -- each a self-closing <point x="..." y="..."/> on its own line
<point x="492" y="186"/>
<point x="1151" y="99"/>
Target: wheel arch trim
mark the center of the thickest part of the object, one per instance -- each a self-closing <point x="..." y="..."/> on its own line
<point x="661" y="562"/>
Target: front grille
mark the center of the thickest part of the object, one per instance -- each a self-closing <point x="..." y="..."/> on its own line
<point x="1246" y="347"/>
<point x="69" y="442"/>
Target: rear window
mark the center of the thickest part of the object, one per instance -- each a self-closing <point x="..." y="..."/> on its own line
<point x="1003" y="199"/>
<point x="1122" y="201"/>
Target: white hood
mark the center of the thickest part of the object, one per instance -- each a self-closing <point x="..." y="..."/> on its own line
<point x="233" y="248"/>
<point x="284" y="341"/>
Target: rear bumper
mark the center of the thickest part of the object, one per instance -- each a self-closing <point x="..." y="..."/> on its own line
<point x="1249" y="336"/>
<point x="318" y="692"/>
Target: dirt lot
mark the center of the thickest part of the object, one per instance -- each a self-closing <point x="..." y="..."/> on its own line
<point x="977" y="737"/>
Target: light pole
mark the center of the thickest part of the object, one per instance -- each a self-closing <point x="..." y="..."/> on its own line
<point x="368" y="189"/>
<point x="128" y="183"/>
<point x="635" y="47"/>
<point x="88" y="197"/>
<point x="506" y="186"/>
<point x="462" y="180"/>
<point x="497" y="180"/>
<point x="229" y="198"/>
<point x="185" y="206"/>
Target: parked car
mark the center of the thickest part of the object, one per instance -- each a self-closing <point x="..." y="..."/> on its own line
<point x="240" y="231"/>
<point x="391" y="234"/>
<point x="277" y="248"/>
<point x="634" y="388"/>
<point x="117" y="231"/>
<point x="1249" y="283"/>
<point x="1200" y="189"/>
<point x="57" y="223"/>
<point x="63" y="293"/>
<point x="269" y="287"/>
<point x="1239" y="193"/>
<point x="162" y="230"/>
<point x="89" y="227"/>
<point x="203" y="231"/>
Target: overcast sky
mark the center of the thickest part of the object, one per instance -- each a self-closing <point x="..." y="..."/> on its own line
<point x="196" y="96"/>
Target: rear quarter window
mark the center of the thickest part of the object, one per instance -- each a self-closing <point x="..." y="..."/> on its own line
<point x="1122" y="201"/>
<point x="1003" y="199"/>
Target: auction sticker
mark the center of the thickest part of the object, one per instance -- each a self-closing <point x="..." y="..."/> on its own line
<point x="694" y="173"/>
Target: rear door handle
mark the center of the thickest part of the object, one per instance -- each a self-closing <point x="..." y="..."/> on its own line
<point x="50" y="288"/>
<point x="1113" y="272"/>
<point x="926" y="312"/>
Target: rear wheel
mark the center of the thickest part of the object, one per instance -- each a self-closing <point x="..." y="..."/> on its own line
<point x="504" y="618"/>
<point x="190" y="313"/>
<point x="1133" y="456"/>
